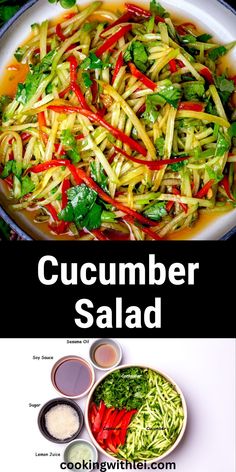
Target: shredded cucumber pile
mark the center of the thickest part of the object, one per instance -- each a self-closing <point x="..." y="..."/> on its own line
<point x="158" y="423"/>
<point x="124" y="127"/>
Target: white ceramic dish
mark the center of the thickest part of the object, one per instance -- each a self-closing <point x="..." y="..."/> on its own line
<point x="125" y="366"/>
<point x="100" y="342"/>
<point x="214" y="16"/>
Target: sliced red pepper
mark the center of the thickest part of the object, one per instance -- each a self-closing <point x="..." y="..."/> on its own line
<point x="175" y="191"/>
<point x="143" y="78"/>
<point x="94" y="90"/>
<point x="92" y="413"/>
<point x="180" y="63"/>
<point x="125" y="423"/>
<point x="193" y="106"/>
<point x="64" y="92"/>
<point x="59" y="149"/>
<point x="187" y="24"/>
<point x="206" y="73"/>
<point x="76" y="89"/>
<point x="42" y="123"/>
<point x="148" y="231"/>
<point x="169" y="205"/>
<point x="59" y="32"/>
<point x="103" y="433"/>
<point x="9" y="181"/>
<point x="153" y="165"/>
<point x="25" y="136"/>
<point x="52" y="211"/>
<point x="81" y="176"/>
<point x="65" y="187"/>
<point x="141" y="110"/>
<point x="142" y="12"/>
<point x="226" y="186"/>
<point x="201" y="193"/>
<point x="79" y="136"/>
<point x="112" y="40"/>
<point x="173" y="66"/>
<point x="99" y="416"/>
<point x="99" y="235"/>
<point x="123" y="19"/>
<point x="233" y="78"/>
<point x="119" y="64"/>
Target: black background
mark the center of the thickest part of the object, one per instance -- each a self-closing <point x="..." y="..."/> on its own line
<point x="35" y="310"/>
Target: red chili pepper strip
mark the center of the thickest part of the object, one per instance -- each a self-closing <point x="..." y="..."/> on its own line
<point x="59" y="32"/>
<point x="79" y="136"/>
<point x="225" y="184"/>
<point x="125" y="424"/>
<point x="42" y="123"/>
<point x="95" y="117"/>
<point x="64" y="188"/>
<point x="112" y="40"/>
<point x="181" y="30"/>
<point x="193" y="106"/>
<point x="73" y="68"/>
<point x="75" y="88"/>
<point x="153" y="165"/>
<point x="81" y="176"/>
<point x="142" y="13"/>
<point x="64" y="92"/>
<point x="175" y="191"/>
<point x="148" y="231"/>
<point x="99" y="235"/>
<point x="25" y="136"/>
<point x="143" y="78"/>
<point x="204" y="189"/>
<point x="123" y="19"/>
<point x="206" y="73"/>
<point x="119" y="64"/>
<point x="187" y="24"/>
<point x="169" y="205"/>
<point x="59" y="149"/>
<point x="233" y="78"/>
<point x="173" y="66"/>
<point x="180" y="63"/>
<point x="52" y="211"/>
<point x="9" y="181"/>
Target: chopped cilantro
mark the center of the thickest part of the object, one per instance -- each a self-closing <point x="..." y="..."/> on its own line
<point x="156" y="211"/>
<point x="68" y="141"/>
<point x="193" y="90"/>
<point x="223" y="144"/>
<point x="215" y="53"/>
<point x="157" y="9"/>
<point x="224" y="86"/>
<point x="86" y="79"/>
<point x="137" y="53"/>
<point x="159" y="145"/>
<point x="98" y="175"/>
<point x="93" y="62"/>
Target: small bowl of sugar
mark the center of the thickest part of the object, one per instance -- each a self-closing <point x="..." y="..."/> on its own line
<point x="60" y="420"/>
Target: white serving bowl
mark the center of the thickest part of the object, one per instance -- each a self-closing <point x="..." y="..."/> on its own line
<point x="163" y="374"/>
<point x="213" y="16"/>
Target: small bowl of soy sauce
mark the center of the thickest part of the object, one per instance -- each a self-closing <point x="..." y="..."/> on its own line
<point x="72" y="376"/>
<point x="105" y="354"/>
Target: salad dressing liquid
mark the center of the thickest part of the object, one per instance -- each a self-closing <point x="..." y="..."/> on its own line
<point x="16" y="72"/>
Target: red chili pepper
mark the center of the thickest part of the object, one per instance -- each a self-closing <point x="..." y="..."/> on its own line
<point x="125" y="424"/>
<point x="142" y="13"/>
<point x="52" y="211"/>
<point x="59" y="32"/>
<point x="180" y="30"/>
<point x="180" y="63"/>
<point x="206" y="73"/>
<point x="119" y="64"/>
<point x="73" y="68"/>
<point x="95" y="117"/>
<point x="112" y="40"/>
<point x="187" y="24"/>
<point x="148" y="231"/>
<point x="193" y="106"/>
<point x="169" y="205"/>
<point x="143" y="78"/>
<point x="76" y="89"/>
<point x="64" y="92"/>
<point x="123" y="19"/>
<point x="233" y="78"/>
<point x="201" y="193"/>
<point x="153" y="165"/>
<point x="25" y="136"/>
<point x="64" y="188"/>
<point x="81" y="176"/>
<point x="173" y="66"/>
<point x="175" y="191"/>
<point x="141" y="109"/>
<point x="42" y="123"/>
<point x="226" y="186"/>
<point x="72" y="46"/>
<point x="103" y="433"/>
<point x="99" y="416"/>
<point x="59" y="149"/>
<point x="9" y="181"/>
<point x="94" y="90"/>
<point x="79" y="136"/>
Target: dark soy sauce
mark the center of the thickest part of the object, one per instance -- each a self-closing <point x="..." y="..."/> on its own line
<point x="73" y="377"/>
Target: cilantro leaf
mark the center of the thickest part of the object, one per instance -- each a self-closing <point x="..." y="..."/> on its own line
<point x="86" y="79"/>
<point x="151" y="113"/>
<point x="4" y="101"/>
<point x="224" y="86"/>
<point x="156" y="211"/>
<point x="222" y="145"/>
<point x="19" y="53"/>
<point x="215" y="53"/>
<point x="7" y="170"/>
<point x="157" y="9"/>
<point x="11" y="167"/>
<point x="27" y="186"/>
<point x="193" y="90"/>
<point x="171" y="94"/>
<point x="68" y="141"/>
<point x="137" y="53"/>
<point x="93" y="62"/>
<point x="38" y="73"/>
<point x="178" y="165"/>
<point x="188" y="38"/>
<point x="82" y="208"/>
<point x="98" y="175"/>
<point x="159" y="145"/>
